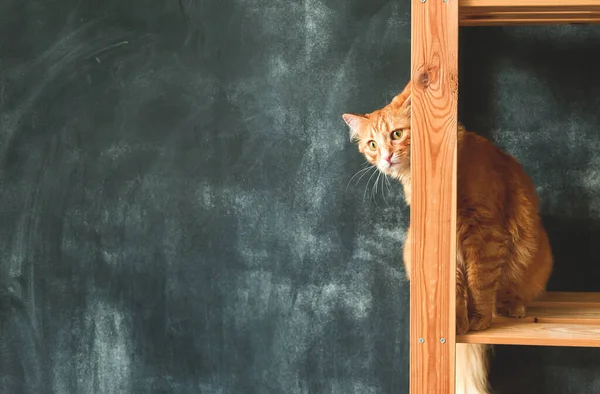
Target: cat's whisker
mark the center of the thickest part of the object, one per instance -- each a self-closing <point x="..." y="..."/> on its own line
<point x="365" y="173"/>
<point x="353" y="176"/>
<point x="367" y="186"/>
<point x="388" y="184"/>
<point x="377" y="184"/>
<point x="383" y="181"/>
<point x="374" y="189"/>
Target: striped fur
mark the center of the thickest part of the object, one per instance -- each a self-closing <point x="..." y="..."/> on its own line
<point x="504" y="258"/>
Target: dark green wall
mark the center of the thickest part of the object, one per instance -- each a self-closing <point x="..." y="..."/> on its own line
<point x="176" y="211"/>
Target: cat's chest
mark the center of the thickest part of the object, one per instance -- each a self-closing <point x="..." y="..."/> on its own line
<point x="406" y="185"/>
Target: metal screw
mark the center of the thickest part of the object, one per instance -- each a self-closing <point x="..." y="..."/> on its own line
<point x="422" y="1"/>
<point x="443" y="340"/>
<point x="421" y="340"/>
<point x="445" y="1"/>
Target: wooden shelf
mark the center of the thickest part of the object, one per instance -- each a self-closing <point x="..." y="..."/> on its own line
<point x="557" y="319"/>
<point x="528" y="12"/>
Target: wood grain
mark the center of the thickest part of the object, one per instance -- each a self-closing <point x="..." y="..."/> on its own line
<point x="434" y="75"/>
<point x="530" y="22"/>
<point x="534" y="5"/>
<point x="556" y="319"/>
<point x="528" y="12"/>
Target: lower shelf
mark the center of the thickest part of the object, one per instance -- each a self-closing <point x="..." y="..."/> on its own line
<point x="528" y="12"/>
<point x="556" y="319"/>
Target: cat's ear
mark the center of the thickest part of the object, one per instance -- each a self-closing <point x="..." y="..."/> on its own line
<point x="406" y="107"/>
<point x="356" y="124"/>
<point x="402" y="101"/>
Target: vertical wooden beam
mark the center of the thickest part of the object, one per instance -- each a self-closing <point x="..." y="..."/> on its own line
<point x="434" y="75"/>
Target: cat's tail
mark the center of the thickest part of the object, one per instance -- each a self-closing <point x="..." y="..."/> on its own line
<point x="471" y="369"/>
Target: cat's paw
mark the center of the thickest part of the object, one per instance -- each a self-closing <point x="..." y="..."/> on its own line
<point x="512" y="309"/>
<point x="479" y="322"/>
<point x="462" y="325"/>
<point x="462" y="321"/>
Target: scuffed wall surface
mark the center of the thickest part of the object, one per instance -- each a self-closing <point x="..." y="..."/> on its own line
<point x="175" y="215"/>
<point x="178" y="209"/>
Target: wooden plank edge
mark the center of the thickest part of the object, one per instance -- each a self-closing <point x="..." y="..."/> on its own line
<point x="527" y="10"/>
<point x="528" y="22"/>
<point x="550" y="318"/>
<point x="532" y="5"/>
<point x="534" y="15"/>
<point x="490" y="12"/>
<point x="554" y="319"/>
<point x="540" y="334"/>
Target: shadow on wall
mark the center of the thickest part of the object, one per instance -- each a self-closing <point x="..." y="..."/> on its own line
<point x="575" y="242"/>
<point x="517" y="370"/>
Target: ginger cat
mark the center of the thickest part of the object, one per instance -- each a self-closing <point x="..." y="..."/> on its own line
<point x="504" y="259"/>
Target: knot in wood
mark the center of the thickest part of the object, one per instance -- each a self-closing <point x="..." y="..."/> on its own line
<point x="424" y="80"/>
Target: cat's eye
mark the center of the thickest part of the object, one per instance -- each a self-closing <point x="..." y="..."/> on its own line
<point x="396" y="135"/>
<point x="372" y="145"/>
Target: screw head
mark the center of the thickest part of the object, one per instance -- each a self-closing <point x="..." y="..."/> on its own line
<point x="443" y="340"/>
<point x="421" y="340"/>
<point x="422" y="1"/>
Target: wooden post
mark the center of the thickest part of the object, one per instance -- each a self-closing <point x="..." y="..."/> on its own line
<point x="434" y="75"/>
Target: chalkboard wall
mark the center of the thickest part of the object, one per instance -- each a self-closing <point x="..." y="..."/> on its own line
<point x="177" y="213"/>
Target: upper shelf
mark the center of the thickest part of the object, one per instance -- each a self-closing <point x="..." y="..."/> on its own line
<point x="557" y="319"/>
<point x="528" y="12"/>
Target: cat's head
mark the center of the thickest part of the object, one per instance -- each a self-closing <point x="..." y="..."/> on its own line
<point x="383" y="136"/>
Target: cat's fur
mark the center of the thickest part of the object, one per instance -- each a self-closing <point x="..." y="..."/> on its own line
<point x="504" y="257"/>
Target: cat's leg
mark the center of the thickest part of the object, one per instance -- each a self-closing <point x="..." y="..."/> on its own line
<point x="510" y="305"/>
<point x="462" y="313"/>
<point x="485" y="250"/>
<point x="525" y="279"/>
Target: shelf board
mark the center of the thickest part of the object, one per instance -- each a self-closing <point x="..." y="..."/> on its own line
<point x="528" y="12"/>
<point x="556" y="319"/>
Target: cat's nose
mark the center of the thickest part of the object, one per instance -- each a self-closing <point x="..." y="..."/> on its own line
<point x="388" y="158"/>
